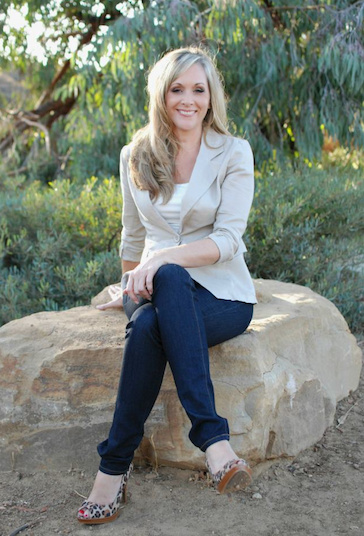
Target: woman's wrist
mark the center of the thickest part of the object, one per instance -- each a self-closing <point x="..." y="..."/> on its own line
<point x="195" y="254"/>
<point x="163" y="256"/>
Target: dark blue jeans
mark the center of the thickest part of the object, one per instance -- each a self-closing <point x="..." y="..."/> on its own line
<point x="177" y="326"/>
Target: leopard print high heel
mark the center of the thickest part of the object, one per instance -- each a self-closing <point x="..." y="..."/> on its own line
<point x="92" y="513"/>
<point x="234" y="476"/>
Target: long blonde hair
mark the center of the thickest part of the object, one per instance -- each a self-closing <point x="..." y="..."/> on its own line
<point x="154" y="147"/>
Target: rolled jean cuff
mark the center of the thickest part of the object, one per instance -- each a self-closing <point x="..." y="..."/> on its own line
<point x="216" y="439"/>
<point x="111" y="471"/>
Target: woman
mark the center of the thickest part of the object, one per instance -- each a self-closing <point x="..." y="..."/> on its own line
<point x="187" y="189"/>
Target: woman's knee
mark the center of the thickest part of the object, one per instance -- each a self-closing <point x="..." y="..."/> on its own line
<point x="171" y="272"/>
<point x="143" y="321"/>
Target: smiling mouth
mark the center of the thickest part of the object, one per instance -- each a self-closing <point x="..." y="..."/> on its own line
<point x="187" y="113"/>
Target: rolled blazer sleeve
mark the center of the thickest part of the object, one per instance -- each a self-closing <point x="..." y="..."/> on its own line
<point x="133" y="232"/>
<point x="237" y="192"/>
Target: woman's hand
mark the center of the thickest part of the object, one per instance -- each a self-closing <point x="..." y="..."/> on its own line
<point x="140" y="282"/>
<point x="199" y="253"/>
<point x="116" y="301"/>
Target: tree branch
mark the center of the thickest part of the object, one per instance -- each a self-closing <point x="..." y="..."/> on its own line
<point x="24" y="120"/>
<point x="46" y="106"/>
<point x="48" y="92"/>
<point x="41" y="127"/>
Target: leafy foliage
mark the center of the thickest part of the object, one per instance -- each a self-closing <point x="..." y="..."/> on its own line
<point x="58" y="245"/>
<point x="294" y="71"/>
<point x="306" y="228"/>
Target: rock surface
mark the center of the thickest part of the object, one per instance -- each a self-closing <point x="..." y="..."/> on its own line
<point x="277" y="384"/>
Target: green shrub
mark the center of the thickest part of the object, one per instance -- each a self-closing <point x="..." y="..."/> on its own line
<point x="58" y="245"/>
<point x="306" y="227"/>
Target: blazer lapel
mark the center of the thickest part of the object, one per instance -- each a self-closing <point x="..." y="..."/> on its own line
<point x="147" y="208"/>
<point x="204" y="172"/>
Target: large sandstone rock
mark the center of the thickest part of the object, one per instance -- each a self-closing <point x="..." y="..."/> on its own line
<point x="278" y="384"/>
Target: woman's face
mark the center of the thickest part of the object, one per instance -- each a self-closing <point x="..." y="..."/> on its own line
<point x="188" y="100"/>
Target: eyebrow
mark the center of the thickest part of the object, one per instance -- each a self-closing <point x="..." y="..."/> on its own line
<point x="196" y="84"/>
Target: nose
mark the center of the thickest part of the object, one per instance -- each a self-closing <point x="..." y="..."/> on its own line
<point x="187" y="98"/>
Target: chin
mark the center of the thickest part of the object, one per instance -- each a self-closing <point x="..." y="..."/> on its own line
<point x="187" y="126"/>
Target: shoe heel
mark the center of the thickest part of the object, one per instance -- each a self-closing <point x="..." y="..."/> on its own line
<point x="234" y="476"/>
<point x="124" y="497"/>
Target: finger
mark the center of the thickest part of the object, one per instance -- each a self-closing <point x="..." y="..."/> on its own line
<point x="114" y="293"/>
<point x="140" y="287"/>
<point x="149" y="284"/>
<point x="130" y="291"/>
<point x="115" y="290"/>
<point x="143" y="292"/>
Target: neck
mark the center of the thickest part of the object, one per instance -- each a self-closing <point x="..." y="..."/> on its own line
<point x="188" y="140"/>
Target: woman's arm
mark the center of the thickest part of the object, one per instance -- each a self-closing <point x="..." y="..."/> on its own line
<point x="199" y="253"/>
<point x="237" y="193"/>
<point x="133" y="234"/>
<point x="133" y="231"/>
<point x="127" y="266"/>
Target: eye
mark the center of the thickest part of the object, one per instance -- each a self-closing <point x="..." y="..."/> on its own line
<point x="175" y="90"/>
<point x="200" y="90"/>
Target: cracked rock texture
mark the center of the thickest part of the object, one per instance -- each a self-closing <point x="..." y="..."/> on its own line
<point x="277" y="384"/>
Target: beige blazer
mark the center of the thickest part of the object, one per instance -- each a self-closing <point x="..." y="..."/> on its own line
<point x="216" y="205"/>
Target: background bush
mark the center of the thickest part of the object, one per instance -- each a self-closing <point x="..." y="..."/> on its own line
<point x="59" y="244"/>
<point x="306" y="227"/>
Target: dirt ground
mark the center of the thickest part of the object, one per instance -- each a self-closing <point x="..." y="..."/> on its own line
<point x="319" y="493"/>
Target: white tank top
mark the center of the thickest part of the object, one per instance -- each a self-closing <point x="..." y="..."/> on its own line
<point x="171" y="210"/>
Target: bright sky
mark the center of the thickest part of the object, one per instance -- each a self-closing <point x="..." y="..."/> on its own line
<point x="16" y="19"/>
